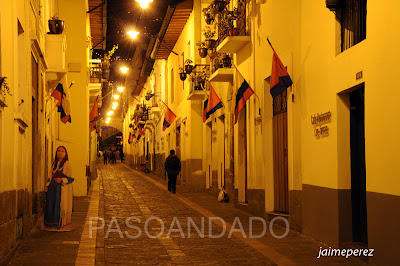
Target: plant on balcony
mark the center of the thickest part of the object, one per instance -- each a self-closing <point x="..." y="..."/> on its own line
<point x="226" y="24"/>
<point x="226" y="60"/>
<point x="56" y="26"/>
<point x="188" y="66"/>
<point x="203" y="51"/>
<point x="209" y="33"/>
<point x="209" y="15"/>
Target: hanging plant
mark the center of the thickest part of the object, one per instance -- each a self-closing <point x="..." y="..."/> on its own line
<point x="220" y="5"/>
<point x="182" y="74"/>
<point x="209" y="15"/>
<point x="56" y="26"/>
<point x="203" y="51"/>
<point x="188" y="66"/>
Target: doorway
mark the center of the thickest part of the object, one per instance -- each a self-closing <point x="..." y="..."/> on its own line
<point x="358" y="171"/>
<point x="280" y="151"/>
<point x="242" y="150"/>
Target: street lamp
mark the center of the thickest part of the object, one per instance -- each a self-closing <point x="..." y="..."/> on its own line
<point x="133" y="34"/>
<point x="120" y="89"/>
<point x="144" y="3"/>
<point x="116" y="96"/>
<point x="110" y="113"/>
<point x="124" y="69"/>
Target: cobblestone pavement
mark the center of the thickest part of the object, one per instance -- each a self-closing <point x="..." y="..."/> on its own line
<point x="125" y="193"/>
<point x="53" y="248"/>
<point x="121" y="192"/>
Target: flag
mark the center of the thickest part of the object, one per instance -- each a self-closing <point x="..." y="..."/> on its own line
<point x="57" y="93"/>
<point x="243" y="94"/>
<point x="61" y="93"/>
<point x="94" y="115"/>
<point x="140" y="133"/>
<point x="205" y="117"/>
<point x="280" y="79"/>
<point x="212" y="104"/>
<point x="168" y="119"/>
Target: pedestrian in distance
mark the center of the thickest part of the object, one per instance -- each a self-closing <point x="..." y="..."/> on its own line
<point x="105" y="156"/>
<point x="59" y="196"/>
<point x="173" y="167"/>
<point x="121" y="154"/>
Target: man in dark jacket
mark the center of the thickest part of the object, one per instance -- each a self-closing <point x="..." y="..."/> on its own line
<point x="173" y="167"/>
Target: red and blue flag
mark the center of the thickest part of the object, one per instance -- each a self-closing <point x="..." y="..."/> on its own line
<point x="61" y="93"/>
<point x="94" y="115"/>
<point x="212" y="104"/>
<point x="243" y="94"/>
<point x="280" y="79"/>
<point x="140" y="133"/>
<point x="168" y="119"/>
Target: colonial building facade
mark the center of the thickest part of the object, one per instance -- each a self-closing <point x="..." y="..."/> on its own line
<point x="33" y="61"/>
<point x="323" y="153"/>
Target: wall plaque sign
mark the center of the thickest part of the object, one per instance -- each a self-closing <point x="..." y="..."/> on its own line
<point x="318" y="120"/>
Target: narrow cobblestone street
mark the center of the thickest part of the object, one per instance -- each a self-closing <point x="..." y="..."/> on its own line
<point x="124" y="193"/>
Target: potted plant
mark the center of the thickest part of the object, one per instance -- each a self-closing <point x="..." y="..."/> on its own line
<point x="188" y="66"/>
<point x="182" y="74"/>
<point x="209" y="15"/>
<point x="226" y="60"/>
<point x="203" y="51"/>
<point x="201" y="80"/>
<point x="56" y="26"/>
<point x="226" y="23"/>
<point x="209" y="33"/>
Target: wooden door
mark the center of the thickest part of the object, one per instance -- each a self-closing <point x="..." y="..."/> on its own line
<point x="280" y="150"/>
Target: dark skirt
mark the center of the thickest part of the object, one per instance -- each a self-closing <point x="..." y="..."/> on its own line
<point x="52" y="209"/>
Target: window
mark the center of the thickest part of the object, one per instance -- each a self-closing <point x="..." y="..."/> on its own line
<point x="353" y="21"/>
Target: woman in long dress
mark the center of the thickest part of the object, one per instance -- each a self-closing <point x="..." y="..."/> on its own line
<point x="59" y="196"/>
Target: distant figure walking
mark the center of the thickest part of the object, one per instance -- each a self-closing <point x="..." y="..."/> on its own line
<point x="105" y="156"/>
<point x="173" y="167"/>
<point x="121" y="155"/>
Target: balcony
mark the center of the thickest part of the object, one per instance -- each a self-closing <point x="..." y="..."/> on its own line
<point x="56" y="45"/>
<point x="155" y="112"/>
<point x="150" y="124"/>
<point x="95" y="80"/>
<point x="196" y="95"/>
<point x="95" y="70"/>
<point x="222" y="75"/>
<point x="232" y="44"/>
<point x="231" y="38"/>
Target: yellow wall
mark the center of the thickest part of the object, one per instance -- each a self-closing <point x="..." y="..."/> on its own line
<point x="75" y="135"/>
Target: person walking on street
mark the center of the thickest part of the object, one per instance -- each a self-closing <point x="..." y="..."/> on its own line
<point x="121" y="155"/>
<point x="173" y="167"/>
<point x="105" y="156"/>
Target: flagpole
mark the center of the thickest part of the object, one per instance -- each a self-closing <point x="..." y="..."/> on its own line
<point x="270" y="45"/>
